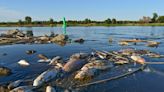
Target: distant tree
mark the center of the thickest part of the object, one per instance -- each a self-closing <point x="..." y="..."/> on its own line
<point x="114" y="21"/>
<point x="87" y="20"/>
<point x="161" y="19"/>
<point x="108" y="21"/>
<point x="51" y="21"/>
<point x="28" y="19"/>
<point x="145" y="19"/>
<point x="155" y="17"/>
<point x="20" y="22"/>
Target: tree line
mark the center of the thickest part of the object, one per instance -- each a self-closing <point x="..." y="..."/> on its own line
<point x="29" y="21"/>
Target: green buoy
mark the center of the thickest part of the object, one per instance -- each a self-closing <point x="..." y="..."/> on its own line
<point x="64" y="26"/>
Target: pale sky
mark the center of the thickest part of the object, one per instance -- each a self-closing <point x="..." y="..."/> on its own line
<point x="13" y="10"/>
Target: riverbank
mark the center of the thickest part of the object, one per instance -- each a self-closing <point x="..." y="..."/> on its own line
<point x="89" y="24"/>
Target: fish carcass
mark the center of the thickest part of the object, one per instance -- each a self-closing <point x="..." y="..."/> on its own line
<point x="57" y="61"/>
<point x="14" y="84"/>
<point x="50" y="89"/>
<point x="90" y="69"/>
<point x="75" y="62"/>
<point x="23" y="63"/>
<point x="22" y="89"/>
<point x="138" y="59"/>
<point x="46" y="76"/>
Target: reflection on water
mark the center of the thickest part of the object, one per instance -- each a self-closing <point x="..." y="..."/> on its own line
<point x="95" y="38"/>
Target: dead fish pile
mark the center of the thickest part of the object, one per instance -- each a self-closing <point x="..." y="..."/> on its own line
<point x="81" y="66"/>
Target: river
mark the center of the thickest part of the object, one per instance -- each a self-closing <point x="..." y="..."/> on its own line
<point x="95" y="38"/>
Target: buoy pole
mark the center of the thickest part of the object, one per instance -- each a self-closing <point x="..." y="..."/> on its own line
<point x="64" y="26"/>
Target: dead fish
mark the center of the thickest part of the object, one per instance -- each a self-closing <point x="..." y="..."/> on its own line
<point x="43" y="57"/>
<point x="120" y="60"/>
<point x="154" y="55"/>
<point x="123" y="43"/>
<point x="56" y="60"/>
<point x="98" y="64"/>
<point x="138" y="59"/>
<point x="23" y="63"/>
<point x="79" y="56"/>
<point x="4" y="70"/>
<point x="90" y="69"/>
<point x="153" y="44"/>
<point x="101" y="55"/>
<point x="50" y="89"/>
<point x="43" y="60"/>
<point x="74" y="64"/>
<point x="45" y="77"/>
<point x="22" y="89"/>
<point x="128" y="51"/>
<point x="14" y="84"/>
<point x="85" y="74"/>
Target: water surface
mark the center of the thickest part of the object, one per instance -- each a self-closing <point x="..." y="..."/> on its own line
<point x="96" y="38"/>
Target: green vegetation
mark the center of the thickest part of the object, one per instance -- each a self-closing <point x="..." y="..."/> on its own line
<point x="145" y="21"/>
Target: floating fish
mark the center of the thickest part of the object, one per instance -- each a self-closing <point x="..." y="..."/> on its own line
<point x="90" y="69"/>
<point x="22" y="89"/>
<point x="98" y="64"/>
<point x="44" y="61"/>
<point x="23" y="63"/>
<point x="14" y="84"/>
<point x="45" y="77"/>
<point x="123" y="43"/>
<point x="154" y="55"/>
<point x="43" y="57"/>
<point x="74" y="64"/>
<point x="50" y="89"/>
<point x="153" y="44"/>
<point x="101" y="55"/>
<point x="56" y="60"/>
<point x="88" y="73"/>
<point x="79" y="55"/>
<point x="138" y="59"/>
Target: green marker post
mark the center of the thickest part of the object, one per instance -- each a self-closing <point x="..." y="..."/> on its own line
<point x="64" y="26"/>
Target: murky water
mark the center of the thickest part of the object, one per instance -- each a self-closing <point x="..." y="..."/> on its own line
<point x="96" y="38"/>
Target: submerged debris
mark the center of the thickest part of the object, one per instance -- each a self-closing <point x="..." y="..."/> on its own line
<point x="80" y="40"/>
<point x="60" y="38"/>
<point x="30" y="52"/>
<point x="4" y="71"/>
